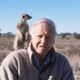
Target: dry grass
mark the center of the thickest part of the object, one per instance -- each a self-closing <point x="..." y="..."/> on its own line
<point x="70" y="48"/>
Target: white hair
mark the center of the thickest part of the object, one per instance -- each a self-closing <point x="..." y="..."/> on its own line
<point x="46" y="21"/>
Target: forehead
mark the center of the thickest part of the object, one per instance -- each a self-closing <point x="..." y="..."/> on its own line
<point x="42" y="28"/>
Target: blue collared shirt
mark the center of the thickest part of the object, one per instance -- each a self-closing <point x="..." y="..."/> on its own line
<point x="37" y="64"/>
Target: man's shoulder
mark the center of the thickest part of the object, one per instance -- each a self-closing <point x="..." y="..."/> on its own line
<point x="14" y="56"/>
<point x="61" y="57"/>
<point x="18" y="52"/>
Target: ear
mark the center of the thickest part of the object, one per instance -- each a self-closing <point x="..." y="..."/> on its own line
<point x="30" y="37"/>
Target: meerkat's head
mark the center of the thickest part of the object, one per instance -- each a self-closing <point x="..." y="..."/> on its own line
<point x="25" y="17"/>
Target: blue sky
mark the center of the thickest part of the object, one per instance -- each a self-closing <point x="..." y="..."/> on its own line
<point x="65" y="13"/>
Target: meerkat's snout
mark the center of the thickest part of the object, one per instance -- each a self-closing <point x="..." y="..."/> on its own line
<point x="29" y="17"/>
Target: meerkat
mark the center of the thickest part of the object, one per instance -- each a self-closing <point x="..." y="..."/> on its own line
<point x="22" y="32"/>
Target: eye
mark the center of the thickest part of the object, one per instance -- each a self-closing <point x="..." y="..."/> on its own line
<point x="23" y="16"/>
<point x="39" y="36"/>
<point x="48" y="37"/>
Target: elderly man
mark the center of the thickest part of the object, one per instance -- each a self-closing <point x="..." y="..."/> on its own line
<point x="40" y="61"/>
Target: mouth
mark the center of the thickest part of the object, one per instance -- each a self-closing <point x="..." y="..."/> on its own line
<point x="43" y="47"/>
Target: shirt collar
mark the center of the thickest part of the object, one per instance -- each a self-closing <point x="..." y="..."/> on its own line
<point x="37" y="64"/>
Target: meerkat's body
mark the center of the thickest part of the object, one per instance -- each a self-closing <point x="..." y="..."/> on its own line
<point x="22" y="32"/>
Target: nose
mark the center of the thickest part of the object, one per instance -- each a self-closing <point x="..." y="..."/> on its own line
<point x="29" y="17"/>
<point x="43" y="40"/>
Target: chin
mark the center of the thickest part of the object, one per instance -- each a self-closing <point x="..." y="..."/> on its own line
<point x="42" y="52"/>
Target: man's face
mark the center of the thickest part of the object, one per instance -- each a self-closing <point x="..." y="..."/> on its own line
<point x="42" y="39"/>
